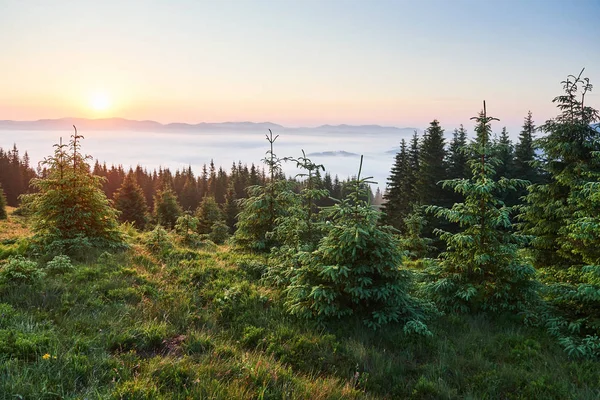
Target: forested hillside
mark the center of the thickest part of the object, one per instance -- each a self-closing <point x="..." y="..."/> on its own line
<point x="479" y="277"/>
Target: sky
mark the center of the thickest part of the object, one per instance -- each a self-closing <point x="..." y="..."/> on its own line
<point x="297" y="63"/>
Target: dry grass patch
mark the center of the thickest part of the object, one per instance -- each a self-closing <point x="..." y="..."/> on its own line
<point x="14" y="227"/>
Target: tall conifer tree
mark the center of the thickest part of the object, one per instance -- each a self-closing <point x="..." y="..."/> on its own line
<point x="398" y="192"/>
<point x="130" y="201"/>
<point x="568" y="149"/>
<point x="525" y="157"/>
<point x="457" y="155"/>
<point x="432" y="166"/>
<point x="481" y="269"/>
<point x="3" y="213"/>
<point x="166" y="207"/>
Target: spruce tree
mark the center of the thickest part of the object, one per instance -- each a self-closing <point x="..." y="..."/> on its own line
<point x="186" y="227"/>
<point x="575" y="299"/>
<point x="355" y="270"/>
<point x="414" y="165"/>
<point x="262" y="207"/>
<point x="525" y="161"/>
<point x="300" y="229"/>
<point x="208" y="213"/>
<point x="190" y="197"/>
<point x="563" y="215"/>
<point x="230" y="209"/>
<point x="432" y="166"/>
<point x="481" y="269"/>
<point x="70" y="211"/>
<point x="130" y="201"/>
<point x="166" y="207"/>
<point x="3" y="213"/>
<point x="504" y="152"/>
<point x="398" y="192"/>
<point x="457" y="156"/>
<point x="413" y="242"/>
<point x="221" y="186"/>
<point x="505" y="155"/>
<point x="568" y="150"/>
<point x="525" y="152"/>
<point x="203" y="182"/>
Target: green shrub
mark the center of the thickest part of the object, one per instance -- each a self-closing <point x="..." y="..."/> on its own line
<point x="252" y="337"/>
<point x="59" y="265"/>
<point x="19" y="270"/>
<point x="159" y="241"/>
<point x="14" y="247"/>
<point x="426" y="389"/>
<point x="254" y="269"/>
<point x="7" y="314"/>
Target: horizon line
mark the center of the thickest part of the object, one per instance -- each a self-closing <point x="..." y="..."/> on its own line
<point x="192" y="124"/>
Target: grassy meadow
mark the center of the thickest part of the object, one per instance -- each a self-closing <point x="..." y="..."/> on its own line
<point x="202" y="324"/>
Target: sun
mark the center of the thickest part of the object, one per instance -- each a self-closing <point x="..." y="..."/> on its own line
<point x="100" y="102"/>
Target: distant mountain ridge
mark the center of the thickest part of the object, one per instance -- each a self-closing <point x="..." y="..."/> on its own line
<point x="111" y="124"/>
<point x="337" y="153"/>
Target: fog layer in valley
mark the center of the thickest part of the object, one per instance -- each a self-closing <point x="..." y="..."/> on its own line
<point x="338" y="151"/>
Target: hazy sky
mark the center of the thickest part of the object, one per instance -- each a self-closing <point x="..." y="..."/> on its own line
<point x="296" y="63"/>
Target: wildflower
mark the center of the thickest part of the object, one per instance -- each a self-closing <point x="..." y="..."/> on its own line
<point x="46" y="356"/>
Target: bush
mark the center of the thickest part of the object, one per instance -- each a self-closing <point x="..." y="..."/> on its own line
<point x="158" y="240"/>
<point x="14" y="247"/>
<point x="19" y="270"/>
<point x="59" y="265"/>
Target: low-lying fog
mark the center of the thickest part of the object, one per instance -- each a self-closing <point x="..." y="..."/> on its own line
<point x="338" y="151"/>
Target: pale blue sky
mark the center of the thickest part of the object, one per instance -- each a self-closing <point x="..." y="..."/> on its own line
<point x="294" y="62"/>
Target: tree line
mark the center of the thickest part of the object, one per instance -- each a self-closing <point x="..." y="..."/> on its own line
<point x="161" y="196"/>
<point x="425" y="161"/>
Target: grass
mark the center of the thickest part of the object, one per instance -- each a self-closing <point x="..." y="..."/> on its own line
<point x="201" y="324"/>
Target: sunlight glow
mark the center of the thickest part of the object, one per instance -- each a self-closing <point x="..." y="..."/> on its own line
<point x="100" y="102"/>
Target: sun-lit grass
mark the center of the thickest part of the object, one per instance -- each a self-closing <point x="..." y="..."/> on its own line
<point x="201" y="324"/>
<point x="14" y="227"/>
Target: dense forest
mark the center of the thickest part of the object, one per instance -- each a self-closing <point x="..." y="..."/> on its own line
<point x="290" y="282"/>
